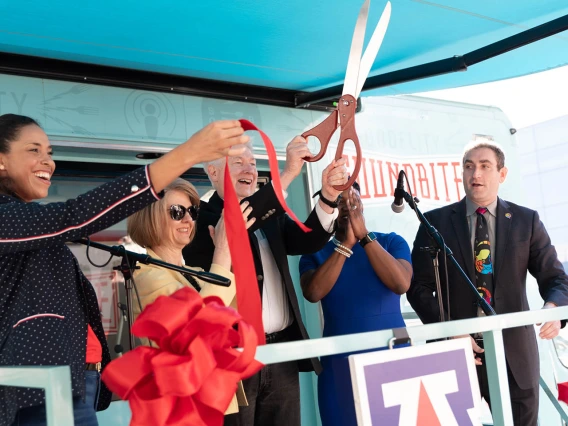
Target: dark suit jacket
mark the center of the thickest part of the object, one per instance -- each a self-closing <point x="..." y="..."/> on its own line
<point x="522" y="244"/>
<point x="284" y="237"/>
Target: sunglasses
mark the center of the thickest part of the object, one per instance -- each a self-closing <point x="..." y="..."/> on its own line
<point x="177" y="211"/>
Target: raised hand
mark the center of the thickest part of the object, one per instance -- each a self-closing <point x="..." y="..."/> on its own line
<point x="219" y="233"/>
<point x="217" y="139"/>
<point x="334" y="174"/>
<point x="356" y="218"/>
<point x="296" y="150"/>
<point x="246" y="211"/>
<point x="350" y="239"/>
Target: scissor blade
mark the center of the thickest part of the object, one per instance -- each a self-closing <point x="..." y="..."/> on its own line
<point x="354" y="61"/>
<point x="372" y="49"/>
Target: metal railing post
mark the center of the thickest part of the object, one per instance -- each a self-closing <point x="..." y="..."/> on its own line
<point x="497" y="377"/>
<point x="56" y="380"/>
<point x="553" y="400"/>
<point x="58" y="397"/>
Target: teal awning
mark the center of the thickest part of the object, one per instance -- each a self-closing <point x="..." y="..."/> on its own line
<point x="293" y="44"/>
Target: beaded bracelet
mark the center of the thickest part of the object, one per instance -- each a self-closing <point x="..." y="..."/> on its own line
<point x="341" y="246"/>
<point x="344" y="253"/>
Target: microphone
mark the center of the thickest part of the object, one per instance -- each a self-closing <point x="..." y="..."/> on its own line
<point x="398" y="204"/>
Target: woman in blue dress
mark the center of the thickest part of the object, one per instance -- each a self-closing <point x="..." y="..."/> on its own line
<point x="358" y="277"/>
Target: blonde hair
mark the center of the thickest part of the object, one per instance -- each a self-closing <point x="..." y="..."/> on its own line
<point x="144" y="226"/>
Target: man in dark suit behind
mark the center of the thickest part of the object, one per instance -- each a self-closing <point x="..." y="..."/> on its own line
<point x="273" y="394"/>
<point x="513" y="242"/>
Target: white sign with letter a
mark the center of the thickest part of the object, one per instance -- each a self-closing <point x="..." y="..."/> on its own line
<point x="427" y="385"/>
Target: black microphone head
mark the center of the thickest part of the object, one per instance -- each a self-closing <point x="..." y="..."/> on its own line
<point x="398" y="205"/>
<point x="400" y="181"/>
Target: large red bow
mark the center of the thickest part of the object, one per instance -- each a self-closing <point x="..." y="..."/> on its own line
<point x="192" y="377"/>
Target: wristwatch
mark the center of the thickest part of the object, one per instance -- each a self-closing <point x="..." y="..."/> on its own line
<point x="332" y="204"/>
<point x="367" y="239"/>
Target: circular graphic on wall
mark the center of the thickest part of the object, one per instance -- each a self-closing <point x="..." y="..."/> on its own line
<point x="149" y="114"/>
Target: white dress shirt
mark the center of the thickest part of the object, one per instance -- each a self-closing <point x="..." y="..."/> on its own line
<point x="276" y="314"/>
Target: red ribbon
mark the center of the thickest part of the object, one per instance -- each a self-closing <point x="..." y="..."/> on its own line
<point x="248" y="295"/>
<point x="192" y="377"/>
<point x="273" y="163"/>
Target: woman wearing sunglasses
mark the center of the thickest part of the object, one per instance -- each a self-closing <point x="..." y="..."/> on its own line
<point x="49" y="310"/>
<point x="164" y="229"/>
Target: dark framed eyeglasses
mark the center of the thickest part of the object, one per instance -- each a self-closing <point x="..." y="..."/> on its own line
<point x="177" y="211"/>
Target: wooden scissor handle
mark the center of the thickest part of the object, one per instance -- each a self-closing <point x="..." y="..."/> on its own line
<point x="346" y="110"/>
<point x="323" y="132"/>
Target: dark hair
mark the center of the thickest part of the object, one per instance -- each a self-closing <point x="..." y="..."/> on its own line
<point x="356" y="186"/>
<point x="498" y="152"/>
<point x="10" y="126"/>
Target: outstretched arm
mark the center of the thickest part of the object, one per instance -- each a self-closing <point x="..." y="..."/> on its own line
<point x="214" y="141"/>
<point x="102" y="207"/>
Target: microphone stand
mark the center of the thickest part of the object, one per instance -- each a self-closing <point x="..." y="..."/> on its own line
<point x="439" y="242"/>
<point x="128" y="264"/>
<point x="434" y="251"/>
<point x="118" y="349"/>
<point x="133" y="257"/>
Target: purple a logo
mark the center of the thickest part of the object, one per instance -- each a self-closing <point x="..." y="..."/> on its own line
<point x="427" y="385"/>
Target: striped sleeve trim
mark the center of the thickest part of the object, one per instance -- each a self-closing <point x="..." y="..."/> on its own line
<point x="81" y="225"/>
<point x="154" y="193"/>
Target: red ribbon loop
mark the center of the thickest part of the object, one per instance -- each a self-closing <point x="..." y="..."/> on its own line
<point x="274" y="172"/>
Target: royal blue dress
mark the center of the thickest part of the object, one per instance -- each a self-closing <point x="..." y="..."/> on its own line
<point x="358" y="302"/>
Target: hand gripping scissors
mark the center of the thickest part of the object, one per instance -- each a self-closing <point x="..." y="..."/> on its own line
<point x="358" y="68"/>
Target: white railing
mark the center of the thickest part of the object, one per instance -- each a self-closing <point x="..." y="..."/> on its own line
<point x="57" y="384"/>
<point x="56" y="380"/>
<point x="491" y="327"/>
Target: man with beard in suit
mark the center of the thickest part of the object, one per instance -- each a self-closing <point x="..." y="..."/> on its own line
<point x="496" y="242"/>
<point x="273" y="394"/>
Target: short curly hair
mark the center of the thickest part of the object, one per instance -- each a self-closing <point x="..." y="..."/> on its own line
<point x="492" y="146"/>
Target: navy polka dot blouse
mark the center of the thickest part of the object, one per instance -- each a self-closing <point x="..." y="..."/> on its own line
<point x="45" y="300"/>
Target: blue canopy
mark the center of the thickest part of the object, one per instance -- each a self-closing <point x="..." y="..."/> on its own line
<point x="292" y="44"/>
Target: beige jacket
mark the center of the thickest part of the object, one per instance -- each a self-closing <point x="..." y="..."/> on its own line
<point x="153" y="281"/>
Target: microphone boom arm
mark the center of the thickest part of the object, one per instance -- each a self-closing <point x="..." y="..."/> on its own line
<point x="120" y="251"/>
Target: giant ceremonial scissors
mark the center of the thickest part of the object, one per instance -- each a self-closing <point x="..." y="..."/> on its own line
<point x="358" y="67"/>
